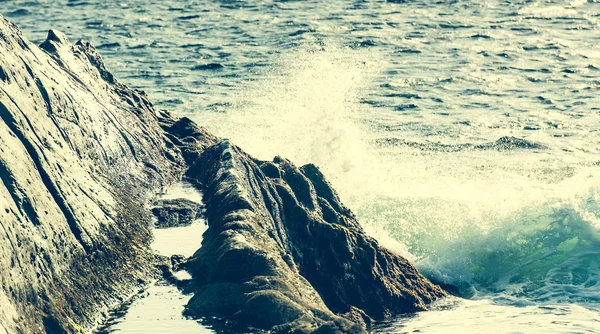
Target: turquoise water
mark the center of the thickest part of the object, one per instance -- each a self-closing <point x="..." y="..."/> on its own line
<point x="402" y="103"/>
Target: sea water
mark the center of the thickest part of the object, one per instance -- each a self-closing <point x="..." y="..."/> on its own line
<point x="410" y="109"/>
<point x="159" y="308"/>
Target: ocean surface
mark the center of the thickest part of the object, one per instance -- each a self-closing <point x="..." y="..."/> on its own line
<point x="465" y="135"/>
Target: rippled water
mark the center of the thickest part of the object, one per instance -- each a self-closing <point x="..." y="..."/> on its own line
<point x="484" y="317"/>
<point x="410" y="107"/>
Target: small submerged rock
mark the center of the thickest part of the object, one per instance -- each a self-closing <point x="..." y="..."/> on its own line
<point x="175" y="212"/>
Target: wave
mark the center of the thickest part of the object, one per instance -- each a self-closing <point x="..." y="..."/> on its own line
<point x="516" y="225"/>
<point x="502" y="144"/>
<point x="484" y="316"/>
<point x="544" y="254"/>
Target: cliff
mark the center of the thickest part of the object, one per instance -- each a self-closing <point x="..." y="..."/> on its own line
<point x="81" y="155"/>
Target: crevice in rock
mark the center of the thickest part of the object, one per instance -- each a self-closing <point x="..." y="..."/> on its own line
<point x="46" y="179"/>
<point x="46" y="98"/>
<point x="3" y="75"/>
<point x="22" y="203"/>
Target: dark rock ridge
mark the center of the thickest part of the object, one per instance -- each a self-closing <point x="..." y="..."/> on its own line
<point x="283" y="253"/>
<point x="175" y="212"/>
<point x="80" y="157"/>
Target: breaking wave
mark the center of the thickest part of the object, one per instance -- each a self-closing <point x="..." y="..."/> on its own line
<point x="518" y="225"/>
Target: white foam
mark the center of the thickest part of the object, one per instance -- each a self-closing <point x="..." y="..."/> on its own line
<point x="305" y="109"/>
<point x="535" y="10"/>
<point x="462" y="316"/>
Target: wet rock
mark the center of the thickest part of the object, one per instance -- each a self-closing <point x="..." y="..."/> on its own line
<point x="168" y="267"/>
<point x="359" y="316"/>
<point x="80" y="154"/>
<point x="176" y="261"/>
<point x="175" y="212"/>
<point x="190" y="138"/>
<point x="283" y="253"/>
<point x="449" y="288"/>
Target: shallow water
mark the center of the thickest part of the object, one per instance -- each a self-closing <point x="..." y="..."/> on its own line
<point x="160" y="308"/>
<point x="397" y="101"/>
<point x="179" y="240"/>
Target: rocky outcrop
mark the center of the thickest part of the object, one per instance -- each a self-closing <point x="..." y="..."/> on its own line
<point x="283" y="253"/>
<point x="80" y="155"/>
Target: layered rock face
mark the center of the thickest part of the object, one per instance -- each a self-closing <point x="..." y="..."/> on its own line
<point x="80" y="154"/>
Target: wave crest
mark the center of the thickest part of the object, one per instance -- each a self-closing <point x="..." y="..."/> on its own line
<point x="549" y="253"/>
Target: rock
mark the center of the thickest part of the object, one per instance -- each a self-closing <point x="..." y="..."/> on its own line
<point x="359" y="316"/>
<point x="509" y="143"/>
<point x="189" y="137"/>
<point x="449" y="288"/>
<point x="168" y="267"/>
<point x="176" y="261"/>
<point x="502" y="144"/>
<point x="175" y="212"/>
<point x="80" y="154"/>
<point x="282" y="253"/>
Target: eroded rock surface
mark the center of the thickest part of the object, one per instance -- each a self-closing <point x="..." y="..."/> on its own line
<point x="80" y="154"/>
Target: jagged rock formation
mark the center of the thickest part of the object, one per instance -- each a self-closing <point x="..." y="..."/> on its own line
<point x="283" y="253"/>
<point x="80" y="154"/>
